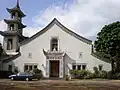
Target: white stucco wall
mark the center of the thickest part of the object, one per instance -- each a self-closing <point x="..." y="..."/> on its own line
<point x="67" y="43"/>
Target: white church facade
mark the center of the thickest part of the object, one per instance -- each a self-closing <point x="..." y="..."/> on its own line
<point x="55" y="49"/>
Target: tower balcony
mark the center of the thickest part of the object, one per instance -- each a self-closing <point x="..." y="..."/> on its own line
<point x="9" y="33"/>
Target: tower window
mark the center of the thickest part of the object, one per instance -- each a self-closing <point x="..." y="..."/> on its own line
<point x="54" y="44"/>
<point x="12" y="27"/>
<point x="9" y="44"/>
<point x="13" y="15"/>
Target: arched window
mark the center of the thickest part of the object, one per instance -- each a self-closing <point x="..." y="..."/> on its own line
<point x="11" y="27"/>
<point x="54" y="44"/>
<point x="9" y="44"/>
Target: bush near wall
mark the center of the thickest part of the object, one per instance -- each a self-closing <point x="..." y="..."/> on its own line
<point x="5" y="74"/>
<point x="85" y="74"/>
<point x="38" y="73"/>
<point x="81" y="74"/>
<point x="111" y="75"/>
<point x="99" y="73"/>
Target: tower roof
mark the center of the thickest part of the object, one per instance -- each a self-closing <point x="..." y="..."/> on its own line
<point x="16" y="9"/>
<point x="15" y="21"/>
<point x="17" y="4"/>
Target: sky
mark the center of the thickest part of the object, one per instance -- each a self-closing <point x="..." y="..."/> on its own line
<point x="85" y="17"/>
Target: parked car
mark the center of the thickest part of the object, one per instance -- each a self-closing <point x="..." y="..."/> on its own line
<point x="22" y="76"/>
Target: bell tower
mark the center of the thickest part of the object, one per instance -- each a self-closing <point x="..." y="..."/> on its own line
<point x="14" y="33"/>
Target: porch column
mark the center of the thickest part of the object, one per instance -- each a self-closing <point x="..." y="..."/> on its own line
<point x="47" y="68"/>
<point x="61" y="68"/>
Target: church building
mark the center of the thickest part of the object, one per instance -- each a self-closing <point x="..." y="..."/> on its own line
<point x="55" y="49"/>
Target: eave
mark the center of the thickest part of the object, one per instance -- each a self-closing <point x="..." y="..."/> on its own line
<point x="16" y="10"/>
<point x="14" y="21"/>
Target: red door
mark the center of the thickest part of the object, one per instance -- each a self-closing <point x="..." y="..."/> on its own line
<point x="54" y="68"/>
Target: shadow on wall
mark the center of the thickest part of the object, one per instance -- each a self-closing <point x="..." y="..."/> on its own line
<point x="44" y="67"/>
<point x="8" y="69"/>
<point x="8" y="66"/>
<point x="68" y="61"/>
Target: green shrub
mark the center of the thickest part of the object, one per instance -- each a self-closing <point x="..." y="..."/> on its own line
<point x="95" y="70"/>
<point x="81" y="74"/>
<point x="74" y="73"/>
<point x="85" y="74"/>
<point x="109" y="75"/>
<point x="102" y="74"/>
<point x="89" y="76"/>
<point x="99" y="73"/>
<point x="38" y="74"/>
<point x="67" y="77"/>
<point x="116" y="76"/>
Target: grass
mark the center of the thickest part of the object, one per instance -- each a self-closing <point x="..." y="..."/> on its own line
<point x="60" y="85"/>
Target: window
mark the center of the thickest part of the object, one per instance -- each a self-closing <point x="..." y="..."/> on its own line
<point x="35" y="66"/>
<point x="13" y="15"/>
<point x="11" y="26"/>
<point x="54" y="44"/>
<point x="83" y="67"/>
<point x="26" y="68"/>
<point x="79" y="67"/>
<point x="100" y="67"/>
<point x="80" y="54"/>
<point x="74" y="67"/>
<point x="29" y="55"/>
<point x="9" y="67"/>
<point x="9" y="44"/>
<point x="29" y="67"/>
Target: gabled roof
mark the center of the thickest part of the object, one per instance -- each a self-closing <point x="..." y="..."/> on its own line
<point x="55" y="21"/>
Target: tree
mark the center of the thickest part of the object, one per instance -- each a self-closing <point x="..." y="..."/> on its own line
<point x="108" y="44"/>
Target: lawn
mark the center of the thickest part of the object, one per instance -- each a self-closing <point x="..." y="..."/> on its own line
<point x="60" y="85"/>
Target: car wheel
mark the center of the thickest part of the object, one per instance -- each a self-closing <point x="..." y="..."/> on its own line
<point x="27" y="79"/>
<point x="12" y="78"/>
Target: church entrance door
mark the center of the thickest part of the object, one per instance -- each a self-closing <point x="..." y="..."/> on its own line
<point x="54" y="68"/>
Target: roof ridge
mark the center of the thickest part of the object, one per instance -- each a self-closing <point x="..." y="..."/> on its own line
<point x="55" y="21"/>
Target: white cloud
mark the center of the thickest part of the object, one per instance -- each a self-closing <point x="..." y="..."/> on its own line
<point x="86" y="17"/>
<point x="3" y="27"/>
